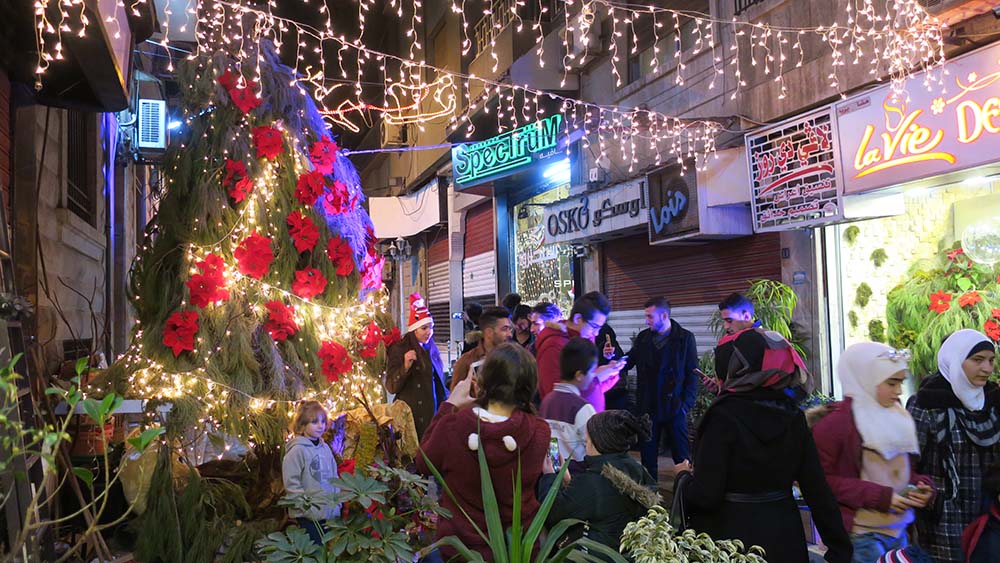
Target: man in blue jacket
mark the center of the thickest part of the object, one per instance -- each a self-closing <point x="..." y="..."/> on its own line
<point x="666" y="359"/>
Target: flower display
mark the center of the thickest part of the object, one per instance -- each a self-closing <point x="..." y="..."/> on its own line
<point x="371" y="337"/>
<point x="969" y="299"/>
<point x="268" y="142"/>
<point x="309" y="187"/>
<point x="236" y="181"/>
<point x="335" y="360"/>
<point x="209" y="285"/>
<point x="254" y="256"/>
<point x="179" y="331"/>
<point x="371" y="271"/>
<point x="304" y="232"/>
<point x="392" y="337"/>
<point x="244" y="98"/>
<point x="308" y="283"/>
<point x="341" y="254"/>
<point x="323" y="154"/>
<point x="992" y="329"/>
<point x="280" y="321"/>
<point x="940" y="301"/>
<point x="338" y="199"/>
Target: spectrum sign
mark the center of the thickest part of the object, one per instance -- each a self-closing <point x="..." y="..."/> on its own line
<point x="473" y="163"/>
<point x="889" y="138"/>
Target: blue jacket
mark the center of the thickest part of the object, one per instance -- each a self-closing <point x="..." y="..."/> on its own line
<point x="667" y="383"/>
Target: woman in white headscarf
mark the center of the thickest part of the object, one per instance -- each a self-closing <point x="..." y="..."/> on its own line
<point x="865" y="445"/>
<point x="957" y="413"/>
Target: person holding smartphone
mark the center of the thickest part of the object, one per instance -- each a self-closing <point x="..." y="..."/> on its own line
<point x="865" y="446"/>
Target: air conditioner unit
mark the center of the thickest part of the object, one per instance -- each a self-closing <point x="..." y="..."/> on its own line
<point x="393" y="135"/>
<point x="152" y="123"/>
<point x="954" y="11"/>
<point x="585" y="43"/>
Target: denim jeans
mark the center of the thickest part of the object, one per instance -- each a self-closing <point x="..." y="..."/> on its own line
<point x="869" y="547"/>
<point x="315" y="534"/>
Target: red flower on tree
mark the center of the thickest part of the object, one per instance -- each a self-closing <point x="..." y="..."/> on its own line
<point x="280" y="320"/>
<point x="303" y="230"/>
<point x="254" y="256"/>
<point x="323" y="154"/>
<point x="178" y="334"/>
<point x="992" y="329"/>
<point x="969" y="299"/>
<point x="371" y="271"/>
<point x="371" y="337"/>
<point x="392" y="337"/>
<point x="995" y="313"/>
<point x="336" y="362"/>
<point x="212" y="266"/>
<point x="208" y="286"/>
<point x="954" y="254"/>
<point x="244" y="98"/>
<point x="236" y="180"/>
<point x="309" y="187"/>
<point x="338" y="199"/>
<point x="341" y="254"/>
<point x="308" y="283"/>
<point x="940" y="302"/>
<point x="268" y="141"/>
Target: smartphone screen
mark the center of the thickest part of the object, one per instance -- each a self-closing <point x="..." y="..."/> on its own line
<point x="554" y="454"/>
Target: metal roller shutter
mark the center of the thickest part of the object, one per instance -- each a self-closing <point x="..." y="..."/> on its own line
<point x="479" y="233"/>
<point x="437" y="288"/>
<point x="700" y="274"/>
<point x="479" y="278"/>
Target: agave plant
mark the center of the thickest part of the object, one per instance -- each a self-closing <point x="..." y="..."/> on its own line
<point x="517" y="545"/>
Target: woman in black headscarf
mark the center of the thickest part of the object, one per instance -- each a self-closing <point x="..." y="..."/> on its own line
<point x="752" y="444"/>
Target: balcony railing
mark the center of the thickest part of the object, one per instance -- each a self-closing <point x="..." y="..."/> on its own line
<point x="486" y="30"/>
<point x="742" y="5"/>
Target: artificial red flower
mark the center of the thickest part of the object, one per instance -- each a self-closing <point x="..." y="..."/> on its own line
<point x="940" y="302"/>
<point x="992" y="329"/>
<point x="335" y="360"/>
<point x="346" y="466"/>
<point x="338" y="199"/>
<point x="304" y="232"/>
<point x="268" y="141"/>
<point x="228" y="79"/>
<point x="323" y="154"/>
<point x="236" y="180"/>
<point x="280" y="320"/>
<point x="371" y="271"/>
<point x="995" y="313"/>
<point x="178" y="334"/>
<point x="254" y="256"/>
<point x="969" y="299"/>
<point x="245" y="98"/>
<point x="213" y="267"/>
<point x="308" y="283"/>
<point x="954" y="254"/>
<point x="205" y="290"/>
<point x="309" y="187"/>
<point x="371" y="337"/>
<point x="392" y="337"/>
<point x="341" y="254"/>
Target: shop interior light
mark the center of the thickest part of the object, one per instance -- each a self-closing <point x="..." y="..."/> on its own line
<point x="558" y="172"/>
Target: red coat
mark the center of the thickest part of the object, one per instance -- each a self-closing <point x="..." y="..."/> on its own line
<point x="839" y="445"/>
<point x="446" y="443"/>
<point x="548" y="345"/>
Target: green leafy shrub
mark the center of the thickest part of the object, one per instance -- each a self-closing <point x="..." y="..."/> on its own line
<point x="652" y="539"/>
<point x="863" y="295"/>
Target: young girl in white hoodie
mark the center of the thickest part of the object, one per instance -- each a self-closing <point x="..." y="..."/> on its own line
<point x="308" y="467"/>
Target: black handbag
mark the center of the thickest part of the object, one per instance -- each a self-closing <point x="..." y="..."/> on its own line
<point x="679" y="514"/>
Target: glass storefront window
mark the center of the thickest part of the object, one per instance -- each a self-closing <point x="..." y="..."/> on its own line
<point x="542" y="272"/>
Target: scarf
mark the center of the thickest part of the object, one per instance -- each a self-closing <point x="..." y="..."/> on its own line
<point x="755" y="358"/>
<point x="890" y="431"/>
<point x="955" y="350"/>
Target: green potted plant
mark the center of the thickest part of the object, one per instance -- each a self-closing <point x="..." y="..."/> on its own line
<point x="652" y="539"/>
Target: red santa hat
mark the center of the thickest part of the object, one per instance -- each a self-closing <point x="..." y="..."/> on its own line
<point x="419" y="315"/>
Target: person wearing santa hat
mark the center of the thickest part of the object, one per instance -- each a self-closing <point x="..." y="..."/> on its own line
<point x="414" y="370"/>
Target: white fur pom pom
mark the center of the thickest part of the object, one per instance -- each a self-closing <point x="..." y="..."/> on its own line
<point x="509" y="443"/>
<point x="473" y="442"/>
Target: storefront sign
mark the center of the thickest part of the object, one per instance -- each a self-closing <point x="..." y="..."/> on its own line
<point x="794" y="174"/>
<point x="605" y="211"/>
<point x="475" y="162"/>
<point x="673" y="203"/>
<point x="888" y="138"/>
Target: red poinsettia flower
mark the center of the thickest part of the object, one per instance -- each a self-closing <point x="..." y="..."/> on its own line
<point x="212" y="266"/>
<point x="954" y="254"/>
<point x="268" y="141"/>
<point x="371" y="337"/>
<point x="346" y="466"/>
<point x="336" y="362"/>
<point x="940" y="302"/>
<point x="992" y="329"/>
<point x="309" y="187"/>
<point x="323" y="154"/>
<point x="236" y="180"/>
<point x="304" y="232"/>
<point x="178" y="334"/>
<point x="245" y="98"/>
<point x="280" y="320"/>
<point x="392" y="337"/>
<point x="338" y="199"/>
<point x="254" y="256"/>
<point x="969" y="299"/>
<point x="308" y="283"/>
<point x="228" y="79"/>
<point x="341" y="254"/>
<point x="206" y="290"/>
<point x="371" y="271"/>
<point x="995" y="313"/>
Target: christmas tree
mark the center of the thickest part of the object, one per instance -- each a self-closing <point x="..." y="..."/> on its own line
<point x="258" y="283"/>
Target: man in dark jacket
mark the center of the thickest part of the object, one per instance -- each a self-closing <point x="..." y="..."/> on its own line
<point x="665" y="357"/>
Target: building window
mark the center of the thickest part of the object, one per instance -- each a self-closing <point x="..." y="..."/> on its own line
<point x="639" y="46"/>
<point x="742" y="5"/>
<point x="81" y="184"/>
<point x="488" y="28"/>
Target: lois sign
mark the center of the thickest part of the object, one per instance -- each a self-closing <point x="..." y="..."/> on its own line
<point x="889" y="138"/>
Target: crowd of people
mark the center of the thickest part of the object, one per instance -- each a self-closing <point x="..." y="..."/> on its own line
<point x="868" y="468"/>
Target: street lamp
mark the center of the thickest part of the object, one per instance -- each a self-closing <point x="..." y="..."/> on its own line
<point x="397" y="251"/>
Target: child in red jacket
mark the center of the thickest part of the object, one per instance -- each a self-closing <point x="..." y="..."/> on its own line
<point x="865" y="445"/>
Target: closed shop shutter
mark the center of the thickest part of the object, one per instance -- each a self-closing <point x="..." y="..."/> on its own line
<point x="698" y="274"/>
<point x="479" y="229"/>
<point x="437" y="287"/>
<point x="479" y="279"/>
<point x="5" y="138"/>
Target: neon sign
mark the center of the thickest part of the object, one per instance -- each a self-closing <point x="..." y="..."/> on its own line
<point x="921" y="133"/>
<point x="475" y="162"/>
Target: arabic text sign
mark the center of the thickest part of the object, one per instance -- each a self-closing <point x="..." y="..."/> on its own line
<point x="612" y="209"/>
